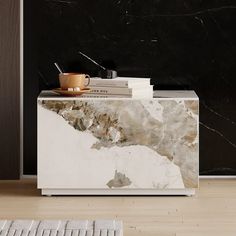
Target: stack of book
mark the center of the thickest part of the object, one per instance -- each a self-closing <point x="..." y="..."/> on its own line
<point x="120" y="87"/>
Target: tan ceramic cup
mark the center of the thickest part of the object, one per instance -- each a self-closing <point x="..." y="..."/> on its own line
<point x="73" y="80"/>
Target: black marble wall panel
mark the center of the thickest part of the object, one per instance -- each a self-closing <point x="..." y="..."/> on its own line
<point x="179" y="44"/>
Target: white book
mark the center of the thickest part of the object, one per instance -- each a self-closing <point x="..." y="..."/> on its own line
<point x="94" y="95"/>
<point x="136" y="96"/>
<point x="125" y="82"/>
<point x="122" y="91"/>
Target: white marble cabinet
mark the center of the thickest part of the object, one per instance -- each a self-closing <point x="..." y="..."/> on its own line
<point x="118" y="146"/>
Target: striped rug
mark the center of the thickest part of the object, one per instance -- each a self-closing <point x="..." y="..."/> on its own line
<point x="61" y="228"/>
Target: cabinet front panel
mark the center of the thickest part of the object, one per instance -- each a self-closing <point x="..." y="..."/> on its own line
<point x="113" y="144"/>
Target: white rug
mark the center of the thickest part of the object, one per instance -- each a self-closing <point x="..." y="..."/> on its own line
<point x="61" y="228"/>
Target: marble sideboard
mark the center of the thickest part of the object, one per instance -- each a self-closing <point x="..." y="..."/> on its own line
<point x="118" y="146"/>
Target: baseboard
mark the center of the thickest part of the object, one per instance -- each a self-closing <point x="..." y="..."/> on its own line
<point x="28" y="177"/>
<point x="217" y="177"/>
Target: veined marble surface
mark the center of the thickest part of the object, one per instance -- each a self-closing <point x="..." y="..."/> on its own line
<point x="181" y="45"/>
<point x="120" y="143"/>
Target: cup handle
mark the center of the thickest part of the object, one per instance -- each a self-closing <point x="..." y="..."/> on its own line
<point x="88" y="77"/>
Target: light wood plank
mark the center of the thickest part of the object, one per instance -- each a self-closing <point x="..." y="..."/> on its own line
<point x="211" y="212"/>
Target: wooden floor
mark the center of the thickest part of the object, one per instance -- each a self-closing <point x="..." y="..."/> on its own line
<point x="211" y="212"/>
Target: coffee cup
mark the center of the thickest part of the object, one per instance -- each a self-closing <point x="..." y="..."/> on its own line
<point x="73" y="80"/>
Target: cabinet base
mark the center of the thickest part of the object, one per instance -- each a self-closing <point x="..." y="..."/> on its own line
<point x="50" y="192"/>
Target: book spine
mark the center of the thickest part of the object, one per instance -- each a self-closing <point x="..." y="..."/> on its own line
<point x="106" y="83"/>
<point x="111" y="90"/>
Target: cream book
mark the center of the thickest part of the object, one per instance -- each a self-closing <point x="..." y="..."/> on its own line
<point x="121" y="91"/>
<point x="136" y="96"/>
<point x="123" y="82"/>
<point x="145" y="92"/>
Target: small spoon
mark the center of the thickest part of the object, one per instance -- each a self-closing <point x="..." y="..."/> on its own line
<point x="58" y="67"/>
